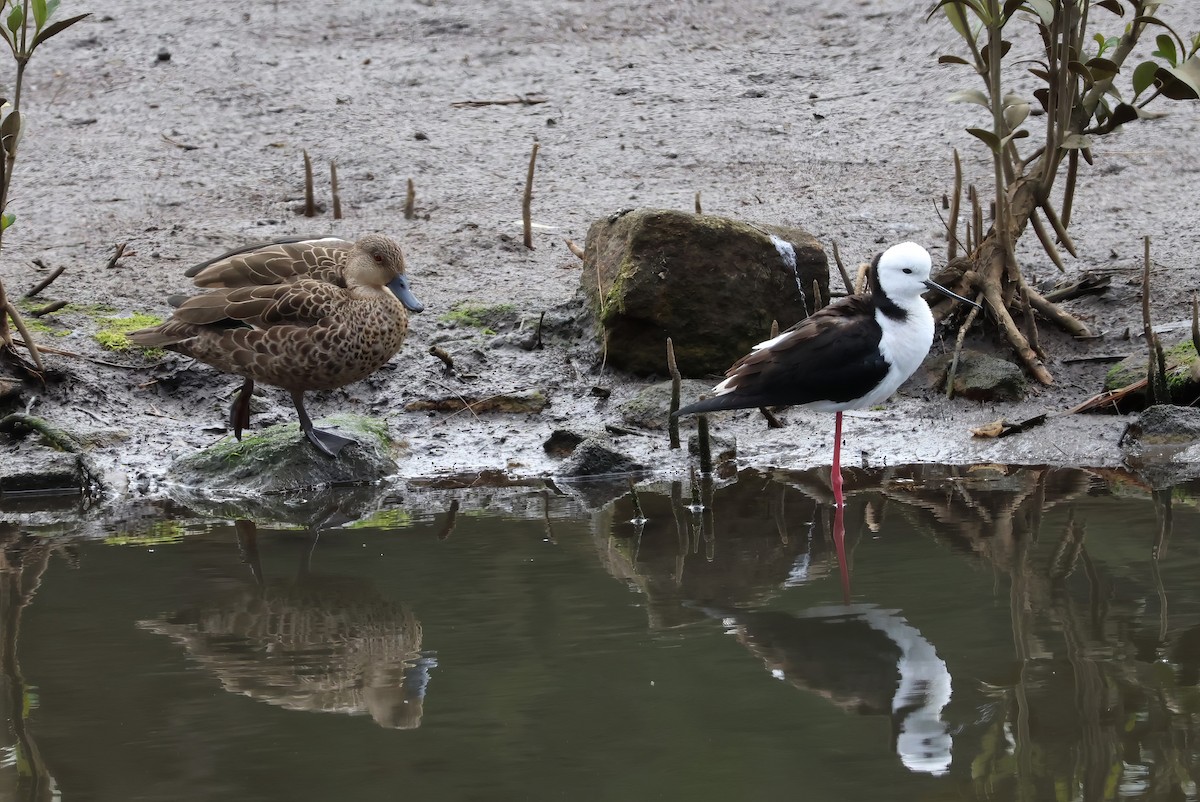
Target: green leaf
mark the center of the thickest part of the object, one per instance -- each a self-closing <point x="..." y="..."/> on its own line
<point x="56" y="28"/>
<point x="1043" y="97"/>
<point x="1143" y="77"/>
<point x="39" y="13"/>
<point x="1101" y="68"/>
<point x="7" y="220"/>
<point x="51" y="7"/>
<point x="987" y="137"/>
<point x="1075" y="142"/>
<point x="1122" y="114"/>
<point x="948" y="59"/>
<point x="957" y="15"/>
<point x="1166" y="49"/>
<point x="970" y="96"/>
<point x="1043" y="8"/>
<point x="1016" y="110"/>
<point x="16" y="18"/>
<point x="1112" y="6"/>
<point x="1182" y="82"/>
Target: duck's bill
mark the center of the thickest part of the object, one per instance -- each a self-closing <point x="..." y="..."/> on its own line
<point x="399" y="288"/>
<point x="933" y="285"/>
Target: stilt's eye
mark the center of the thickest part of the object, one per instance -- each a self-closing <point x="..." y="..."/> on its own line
<point x="908" y="270"/>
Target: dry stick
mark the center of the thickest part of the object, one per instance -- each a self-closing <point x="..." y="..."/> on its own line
<point x="25" y="335"/>
<point x="118" y="252"/>
<point x="337" y="197"/>
<point x="1057" y="316"/>
<point x="410" y="200"/>
<point x="53" y="306"/>
<point x="537" y="334"/>
<point x="46" y="282"/>
<point x="1195" y="323"/>
<point x="837" y="260"/>
<point x="818" y="301"/>
<point x="958" y="345"/>
<point x="526" y="100"/>
<point x="705" y="444"/>
<point x="676" y="380"/>
<point x="443" y="355"/>
<point x="310" y="205"/>
<point x="976" y="216"/>
<point x="1047" y="243"/>
<point x="527" y="201"/>
<point x="955" y="203"/>
<point x="698" y="210"/>
<point x="60" y="352"/>
<point x="1154" y="376"/>
<point x="574" y="248"/>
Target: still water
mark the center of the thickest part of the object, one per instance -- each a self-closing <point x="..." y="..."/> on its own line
<point x="998" y="633"/>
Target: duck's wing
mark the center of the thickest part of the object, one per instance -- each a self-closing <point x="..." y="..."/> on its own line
<point x="276" y="262"/>
<point x="831" y="355"/>
<point x="301" y="303"/>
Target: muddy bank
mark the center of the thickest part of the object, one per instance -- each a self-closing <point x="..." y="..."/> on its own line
<point x="832" y="120"/>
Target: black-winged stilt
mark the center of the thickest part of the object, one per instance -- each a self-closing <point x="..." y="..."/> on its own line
<point x="851" y="354"/>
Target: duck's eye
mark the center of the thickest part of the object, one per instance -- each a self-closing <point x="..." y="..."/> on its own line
<point x="378" y="257"/>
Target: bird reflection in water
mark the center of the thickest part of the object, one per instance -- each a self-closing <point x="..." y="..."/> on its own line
<point x="316" y="643"/>
<point x="863" y="659"/>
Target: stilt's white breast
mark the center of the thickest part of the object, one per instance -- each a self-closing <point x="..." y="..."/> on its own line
<point x="904" y="345"/>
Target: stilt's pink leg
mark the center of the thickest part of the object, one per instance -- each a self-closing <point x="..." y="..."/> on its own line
<point x="835" y="475"/>
<point x="839" y="543"/>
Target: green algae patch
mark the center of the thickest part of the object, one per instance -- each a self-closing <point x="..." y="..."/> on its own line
<point x="114" y="331"/>
<point x="486" y="317"/>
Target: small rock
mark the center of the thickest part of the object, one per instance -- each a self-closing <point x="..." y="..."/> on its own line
<point x="595" y="457"/>
<point x="649" y="409"/>
<point x="529" y="401"/>
<point x="562" y="442"/>
<point x="982" y="377"/>
<point x="163" y="55"/>
<point x="1165" y="425"/>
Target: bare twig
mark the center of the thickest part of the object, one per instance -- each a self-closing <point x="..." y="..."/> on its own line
<point x="49" y="308"/>
<point x="958" y="345"/>
<point x="837" y="259"/>
<point x="527" y="202"/>
<point x="518" y="100"/>
<point x="705" y="444"/>
<point x="46" y="282"/>
<point x="676" y="380"/>
<point x="118" y="252"/>
<point x="310" y="204"/>
<point x="337" y="196"/>
<point x="15" y="316"/>
<point x="955" y="204"/>
<point x="698" y="209"/>
<point x="410" y="200"/>
<point x="574" y="248"/>
<point x="182" y="145"/>
<point x="443" y="355"/>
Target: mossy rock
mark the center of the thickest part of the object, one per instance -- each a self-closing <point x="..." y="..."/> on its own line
<point x="1183" y="373"/>
<point x="651" y="407"/>
<point x="280" y="459"/>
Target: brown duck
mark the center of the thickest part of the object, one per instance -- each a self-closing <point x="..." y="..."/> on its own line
<point x="301" y="314"/>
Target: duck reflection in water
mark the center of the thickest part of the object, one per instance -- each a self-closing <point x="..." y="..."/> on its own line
<point x="866" y="661"/>
<point x="315" y="643"/>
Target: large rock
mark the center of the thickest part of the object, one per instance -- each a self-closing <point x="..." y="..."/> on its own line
<point x="711" y="284"/>
<point x="982" y="377"/>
